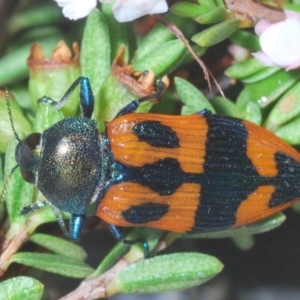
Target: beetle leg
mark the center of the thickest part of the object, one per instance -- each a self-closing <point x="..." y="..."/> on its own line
<point x="132" y="106"/>
<point x="75" y="227"/>
<point x="118" y="234"/>
<point x="33" y="207"/>
<point x="76" y="224"/>
<point x="85" y="94"/>
<point x="204" y="112"/>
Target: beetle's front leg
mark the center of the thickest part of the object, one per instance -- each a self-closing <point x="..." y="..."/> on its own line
<point x="26" y="210"/>
<point x="132" y="106"/>
<point x="85" y="94"/>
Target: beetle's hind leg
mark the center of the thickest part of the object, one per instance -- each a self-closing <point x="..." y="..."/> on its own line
<point x="118" y="234"/>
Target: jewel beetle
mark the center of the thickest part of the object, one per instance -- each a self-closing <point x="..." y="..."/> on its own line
<point x="198" y="173"/>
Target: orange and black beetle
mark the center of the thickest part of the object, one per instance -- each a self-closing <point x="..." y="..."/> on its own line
<point x="194" y="173"/>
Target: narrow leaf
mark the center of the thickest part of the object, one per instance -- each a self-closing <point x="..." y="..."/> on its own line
<point x="155" y="38"/>
<point x="95" y="50"/>
<point x="117" y="32"/>
<point x="214" y="15"/>
<point x="191" y="96"/>
<point x="244" y="69"/>
<point x="187" y="9"/>
<point x="59" y="246"/>
<point x="53" y="263"/>
<point x="290" y="132"/>
<point x="163" y="59"/>
<point x="266" y="91"/>
<point x="245" y="39"/>
<point x="216" y="33"/>
<point x="166" y="272"/>
<point x="287" y="108"/>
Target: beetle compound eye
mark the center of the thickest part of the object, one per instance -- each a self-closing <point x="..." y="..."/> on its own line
<point x="33" y="141"/>
<point x="28" y="156"/>
<point x="28" y="176"/>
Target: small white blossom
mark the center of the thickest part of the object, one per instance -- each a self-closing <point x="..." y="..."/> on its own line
<point x="128" y="10"/>
<point x="124" y="10"/>
<point x="76" y="9"/>
<point x="280" y="42"/>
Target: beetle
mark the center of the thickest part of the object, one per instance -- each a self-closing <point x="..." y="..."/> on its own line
<point x="198" y="173"/>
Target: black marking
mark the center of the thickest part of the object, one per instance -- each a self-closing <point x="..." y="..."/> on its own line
<point x="229" y="176"/>
<point x="287" y="181"/>
<point x="156" y="134"/>
<point x="144" y="213"/>
<point x="164" y="177"/>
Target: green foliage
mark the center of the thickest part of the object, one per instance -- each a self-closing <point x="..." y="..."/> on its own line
<point x="267" y="96"/>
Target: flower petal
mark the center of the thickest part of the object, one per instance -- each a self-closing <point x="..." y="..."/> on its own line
<point x="264" y="59"/>
<point x="76" y="9"/>
<point x="261" y="26"/>
<point x="281" y="42"/>
<point x="128" y="10"/>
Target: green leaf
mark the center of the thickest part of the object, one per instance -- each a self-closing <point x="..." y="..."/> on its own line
<point x="207" y="3"/>
<point x="159" y="35"/>
<point x="22" y="125"/>
<point x="186" y="111"/>
<point x="53" y="263"/>
<point x="244" y="242"/>
<point x="47" y="116"/>
<point x="266" y="91"/>
<point x="53" y="83"/>
<point x="59" y="246"/>
<point x="112" y="97"/>
<point x="21" y="287"/>
<point x="95" y="50"/>
<point x="111" y="258"/>
<point x="244" y="69"/>
<point x="187" y="9"/>
<point x="252" y="113"/>
<point x="290" y="132"/>
<point x="136" y="252"/>
<point x="246" y="39"/>
<point x="118" y="32"/>
<point x="166" y="272"/>
<point x="191" y="96"/>
<point x="162" y="59"/>
<point x="287" y="107"/>
<point x="216" y="34"/>
<point x="214" y="15"/>
<point x="224" y="106"/>
<point x="292" y="7"/>
<point x="219" y="3"/>
<point x="36" y="15"/>
<point x="261" y="75"/>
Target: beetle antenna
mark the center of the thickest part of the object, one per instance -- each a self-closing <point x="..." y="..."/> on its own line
<point x="6" y="182"/>
<point x="10" y="116"/>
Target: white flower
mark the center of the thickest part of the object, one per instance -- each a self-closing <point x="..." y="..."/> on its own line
<point x="128" y="10"/>
<point x="124" y="10"/>
<point x="280" y="42"/>
<point x="76" y="9"/>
